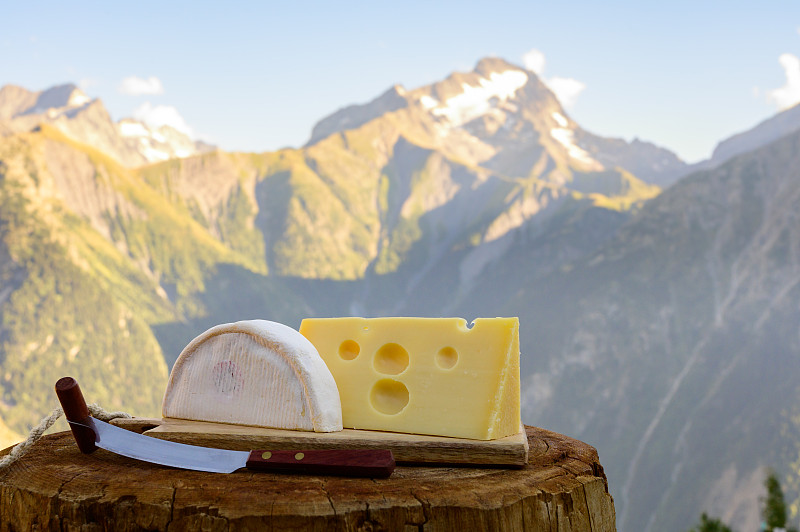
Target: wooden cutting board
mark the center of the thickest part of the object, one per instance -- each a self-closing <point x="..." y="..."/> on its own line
<point x="511" y="451"/>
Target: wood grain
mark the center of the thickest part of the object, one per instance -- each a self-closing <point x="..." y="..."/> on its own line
<point x="511" y="451"/>
<point x="55" y="487"/>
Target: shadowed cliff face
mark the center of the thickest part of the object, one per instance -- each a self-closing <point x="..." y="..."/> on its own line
<point x="679" y="338"/>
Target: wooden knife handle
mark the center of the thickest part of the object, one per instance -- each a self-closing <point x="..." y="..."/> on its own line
<point x="373" y="463"/>
<point x="75" y="409"/>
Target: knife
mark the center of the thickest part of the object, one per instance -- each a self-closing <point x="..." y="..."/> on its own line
<point x="91" y="433"/>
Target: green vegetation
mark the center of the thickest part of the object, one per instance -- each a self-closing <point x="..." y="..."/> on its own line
<point x="214" y="189"/>
<point x="709" y="524"/>
<point x="773" y="511"/>
<point x="237" y="229"/>
<point x="63" y="319"/>
<point x="75" y="302"/>
<point x="317" y="224"/>
<point x="405" y="235"/>
<point x="404" y="208"/>
<point x="616" y="190"/>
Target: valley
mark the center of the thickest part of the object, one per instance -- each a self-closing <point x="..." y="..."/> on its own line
<point x="657" y="300"/>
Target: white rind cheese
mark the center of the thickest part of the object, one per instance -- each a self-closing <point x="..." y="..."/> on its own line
<point x="254" y="372"/>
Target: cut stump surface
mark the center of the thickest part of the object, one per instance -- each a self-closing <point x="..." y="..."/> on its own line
<point x="55" y="487"/>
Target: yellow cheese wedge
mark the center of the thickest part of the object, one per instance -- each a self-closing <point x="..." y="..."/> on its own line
<point x="424" y="375"/>
<point x="254" y="372"/>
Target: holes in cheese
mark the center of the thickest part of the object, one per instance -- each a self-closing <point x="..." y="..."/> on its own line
<point x="254" y="372"/>
<point x="349" y="350"/>
<point x="389" y="396"/>
<point x="425" y="375"/>
<point x="391" y="359"/>
<point x="447" y="357"/>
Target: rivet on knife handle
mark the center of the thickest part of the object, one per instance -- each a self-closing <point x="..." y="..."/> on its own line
<point x="377" y="463"/>
<point x="75" y="409"/>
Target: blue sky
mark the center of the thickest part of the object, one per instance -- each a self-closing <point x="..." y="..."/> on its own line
<point x="257" y="77"/>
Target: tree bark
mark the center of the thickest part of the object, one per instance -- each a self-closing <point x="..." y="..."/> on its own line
<point x="55" y="487"/>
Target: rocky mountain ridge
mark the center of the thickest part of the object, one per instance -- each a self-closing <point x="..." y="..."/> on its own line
<point x="780" y="125"/>
<point x="69" y="109"/>
<point x="500" y="116"/>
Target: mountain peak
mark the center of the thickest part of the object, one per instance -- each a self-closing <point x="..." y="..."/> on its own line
<point x="67" y="95"/>
<point x="770" y="130"/>
<point x="499" y="115"/>
<point x="17" y="101"/>
<point x="463" y="98"/>
<point x="488" y="65"/>
<point x="354" y="116"/>
<point x="14" y="100"/>
<point x="159" y="143"/>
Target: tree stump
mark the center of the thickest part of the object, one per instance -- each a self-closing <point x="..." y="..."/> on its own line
<point x="55" y="487"/>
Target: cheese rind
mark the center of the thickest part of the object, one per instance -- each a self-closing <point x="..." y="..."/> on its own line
<point x="424" y="375"/>
<point x="254" y="372"/>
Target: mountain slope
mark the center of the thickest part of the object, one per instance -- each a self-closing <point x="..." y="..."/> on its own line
<point x="412" y="177"/>
<point x="69" y="303"/>
<point x="655" y="348"/>
<point x="92" y="259"/>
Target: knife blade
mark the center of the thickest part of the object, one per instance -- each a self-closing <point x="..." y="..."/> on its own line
<point x="91" y="433"/>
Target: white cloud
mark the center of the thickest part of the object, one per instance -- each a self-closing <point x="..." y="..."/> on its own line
<point x="86" y="83"/>
<point x="162" y="115"/>
<point x="534" y="61"/>
<point x="566" y="90"/>
<point x="136" y="86"/>
<point x="788" y="95"/>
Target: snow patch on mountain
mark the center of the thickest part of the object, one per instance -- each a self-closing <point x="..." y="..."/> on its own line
<point x="566" y="137"/>
<point x="131" y="128"/>
<point x="157" y="144"/>
<point x="475" y="101"/>
<point x="78" y="98"/>
<point x="560" y="119"/>
<point x="427" y="102"/>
